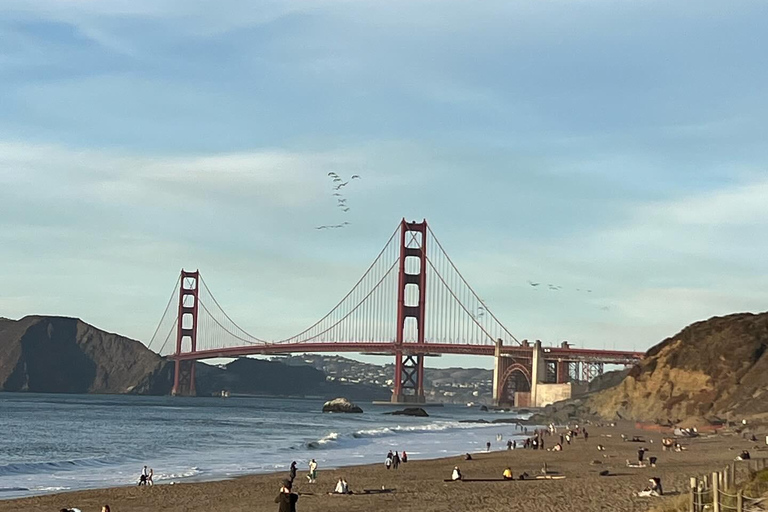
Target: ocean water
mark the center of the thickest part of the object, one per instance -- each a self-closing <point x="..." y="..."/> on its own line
<point x="54" y="443"/>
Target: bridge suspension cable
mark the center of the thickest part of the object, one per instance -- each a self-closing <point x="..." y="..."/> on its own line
<point x="455" y="314"/>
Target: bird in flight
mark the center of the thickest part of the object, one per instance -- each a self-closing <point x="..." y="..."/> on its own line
<point x="355" y="177"/>
<point x="533" y="284"/>
<point x="332" y="174"/>
<point x="340" y="185"/>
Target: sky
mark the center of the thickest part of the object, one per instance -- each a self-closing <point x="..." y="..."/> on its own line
<point x="615" y="146"/>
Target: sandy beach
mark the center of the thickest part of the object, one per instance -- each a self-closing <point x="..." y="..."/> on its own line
<point x="419" y="485"/>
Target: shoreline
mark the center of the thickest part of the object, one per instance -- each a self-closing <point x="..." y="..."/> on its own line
<point x="419" y="485"/>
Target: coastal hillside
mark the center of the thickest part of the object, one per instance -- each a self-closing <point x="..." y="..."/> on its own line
<point x="45" y="354"/>
<point x="66" y="355"/>
<point x="714" y="369"/>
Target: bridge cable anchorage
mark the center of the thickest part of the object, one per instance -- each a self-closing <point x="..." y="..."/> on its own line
<point x="167" y="307"/>
<point x="334" y="310"/>
<point x="257" y="340"/>
<point x="448" y="258"/>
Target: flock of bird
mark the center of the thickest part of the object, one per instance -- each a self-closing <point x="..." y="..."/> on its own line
<point x="554" y="288"/>
<point x="338" y="183"/>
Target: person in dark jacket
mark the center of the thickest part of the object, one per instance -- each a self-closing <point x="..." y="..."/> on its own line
<point x="293" y="471"/>
<point x="286" y="499"/>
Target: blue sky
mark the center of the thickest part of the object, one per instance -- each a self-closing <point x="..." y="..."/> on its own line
<point x="618" y="146"/>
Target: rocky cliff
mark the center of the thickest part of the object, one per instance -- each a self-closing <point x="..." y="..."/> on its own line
<point x="66" y="355"/>
<point x="712" y="370"/>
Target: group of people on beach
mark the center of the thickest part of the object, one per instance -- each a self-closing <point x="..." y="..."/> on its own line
<point x="393" y="460"/>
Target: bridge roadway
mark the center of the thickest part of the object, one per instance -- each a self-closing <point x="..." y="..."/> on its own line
<point x="390" y="348"/>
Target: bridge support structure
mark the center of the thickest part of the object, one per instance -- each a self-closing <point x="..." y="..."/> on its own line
<point x="186" y="334"/>
<point x="540" y="380"/>
<point x="409" y="357"/>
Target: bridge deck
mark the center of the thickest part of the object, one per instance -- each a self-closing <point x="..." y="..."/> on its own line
<point x="389" y="348"/>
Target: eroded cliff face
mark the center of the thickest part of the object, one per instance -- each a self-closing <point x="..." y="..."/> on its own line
<point x="66" y="355"/>
<point x="711" y="369"/>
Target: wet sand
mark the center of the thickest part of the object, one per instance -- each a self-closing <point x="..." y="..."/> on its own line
<point x="419" y="486"/>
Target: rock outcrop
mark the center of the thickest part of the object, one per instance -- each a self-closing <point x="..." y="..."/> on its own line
<point x="710" y="371"/>
<point x="410" y="411"/>
<point x="341" y="405"/>
<point x="715" y="369"/>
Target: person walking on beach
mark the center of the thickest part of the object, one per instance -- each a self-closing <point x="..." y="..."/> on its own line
<point x="312" y="476"/>
<point x="286" y="499"/>
<point x="395" y="461"/>
<point x="388" y="461"/>
<point x="143" y="476"/>
<point x="488" y="446"/>
<point x="586" y="435"/>
<point x="293" y="471"/>
<point x="149" y="476"/>
<point x="509" y="444"/>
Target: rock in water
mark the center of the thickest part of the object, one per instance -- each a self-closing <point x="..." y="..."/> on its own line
<point x="340" y="405"/>
<point x="410" y="411"/>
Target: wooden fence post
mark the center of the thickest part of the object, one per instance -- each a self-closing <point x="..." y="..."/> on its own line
<point x="733" y="473"/>
<point x="739" y="501"/>
<point x="692" y="497"/>
<point x="715" y="493"/>
<point x="726" y="479"/>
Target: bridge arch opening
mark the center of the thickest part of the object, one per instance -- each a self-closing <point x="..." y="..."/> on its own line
<point x="516" y="379"/>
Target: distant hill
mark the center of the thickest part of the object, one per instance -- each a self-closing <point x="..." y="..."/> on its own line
<point x="712" y="370"/>
<point x="66" y="355"/>
<point x="45" y="354"/>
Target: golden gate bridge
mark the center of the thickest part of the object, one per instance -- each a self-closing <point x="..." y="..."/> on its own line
<point x="412" y="302"/>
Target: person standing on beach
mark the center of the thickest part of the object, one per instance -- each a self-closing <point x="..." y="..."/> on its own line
<point x="509" y="444"/>
<point x="312" y="476"/>
<point x="286" y="499"/>
<point x="388" y="462"/>
<point x="488" y="446"/>
<point x="149" y="476"/>
<point x="292" y="473"/>
<point x="395" y="461"/>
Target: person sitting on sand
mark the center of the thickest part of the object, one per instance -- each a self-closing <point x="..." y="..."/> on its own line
<point x="468" y="457"/>
<point x="654" y="489"/>
<point x="507" y="474"/>
<point x="456" y="475"/>
<point x="287" y="499"/>
<point x="342" y="487"/>
<point x="557" y="448"/>
<point x="404" y="458"/>
<point x="744" y="455"/>
<point x="105" y="508"/>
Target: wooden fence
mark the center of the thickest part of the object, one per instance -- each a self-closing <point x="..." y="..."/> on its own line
<point x="718" y="492"/>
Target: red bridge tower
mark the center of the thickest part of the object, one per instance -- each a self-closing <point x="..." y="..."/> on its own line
<point x="409" y="356"/>
<point x="186" y="334"/>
